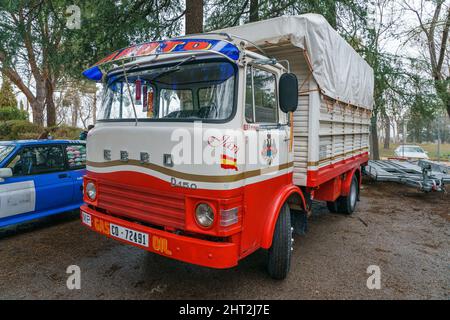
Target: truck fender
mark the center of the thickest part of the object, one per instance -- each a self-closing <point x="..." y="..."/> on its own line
<point x="348" y="181"/>
<point x="269" y="228"/>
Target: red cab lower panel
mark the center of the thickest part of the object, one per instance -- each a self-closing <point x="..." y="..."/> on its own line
<point x="218" y="255"/>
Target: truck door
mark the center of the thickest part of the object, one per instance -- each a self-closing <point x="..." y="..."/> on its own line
<point x="44" y="167"/>
<point x="263" y="113"/>
<point x="266" y="152"/>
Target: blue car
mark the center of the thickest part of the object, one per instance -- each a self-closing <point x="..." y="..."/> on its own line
<point x="40" y="178"/>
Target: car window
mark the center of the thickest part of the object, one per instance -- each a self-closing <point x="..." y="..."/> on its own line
<point x="37" y="160"/>
<point x="261" y="103"/>
<point x="76" y="156"/>
<point x="5" y="151"/>
<point x="413" y="149"/>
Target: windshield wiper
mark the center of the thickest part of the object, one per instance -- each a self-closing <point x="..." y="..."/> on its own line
<point x="129" y="92"/>
<point x="175" y="68"/>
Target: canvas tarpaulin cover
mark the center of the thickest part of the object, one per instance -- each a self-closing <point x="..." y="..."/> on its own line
<point x="340" y="72"/>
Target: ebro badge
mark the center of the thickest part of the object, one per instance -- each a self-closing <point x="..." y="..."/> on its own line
<point x="17" y="198"/>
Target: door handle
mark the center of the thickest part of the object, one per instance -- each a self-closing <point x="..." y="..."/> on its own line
<point x="62" y="175"/>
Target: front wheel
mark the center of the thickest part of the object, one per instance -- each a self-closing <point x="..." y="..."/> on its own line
<point x="280" y="252"/>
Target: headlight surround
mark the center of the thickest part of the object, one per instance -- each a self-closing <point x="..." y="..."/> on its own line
<point x="204" y="215"/>
<point x="91" y="190"/>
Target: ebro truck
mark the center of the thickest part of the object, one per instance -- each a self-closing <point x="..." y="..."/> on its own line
<point x="283" y="107"/>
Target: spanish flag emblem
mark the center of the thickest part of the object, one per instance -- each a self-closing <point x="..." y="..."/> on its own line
<point x="228" y="163"/>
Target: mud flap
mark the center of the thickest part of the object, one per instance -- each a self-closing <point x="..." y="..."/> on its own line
<point x="299" y="222"/>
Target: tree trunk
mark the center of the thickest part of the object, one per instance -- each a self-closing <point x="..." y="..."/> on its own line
<point x="194" y="16"/>
<point x="50" y="104"/>
<point x="443" y="91"/>
<point x="38" y="104"/>
<point x="254" y="10"/>
<point x="74" y="115"/>
<point x="387" y="132"/>
<point x="94" y="107"/>
<point x="332" y="16"/>
<point x="374" y="145"/>
<point x="38" y="112"/>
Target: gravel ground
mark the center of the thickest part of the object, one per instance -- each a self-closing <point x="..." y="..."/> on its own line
<point x="405" y="233"/>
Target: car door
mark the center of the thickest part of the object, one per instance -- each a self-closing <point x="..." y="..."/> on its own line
<point x="44" y="167"/>
<point x="76" y="165"/>
<point x="17" y="194"/>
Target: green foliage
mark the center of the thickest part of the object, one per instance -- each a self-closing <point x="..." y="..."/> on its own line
<point x="23" y="130"/>
<point x="228" y="13"/>
<point x="110" y="25"/>
<point x="19" y="130"/>
<point x="12" y="113"/>
<point x="65" y="132"/>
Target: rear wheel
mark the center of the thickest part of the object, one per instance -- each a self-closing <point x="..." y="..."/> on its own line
<point x="280" y="252"/>
<point x="347" y="205"/>
<point x="332" y="207"/>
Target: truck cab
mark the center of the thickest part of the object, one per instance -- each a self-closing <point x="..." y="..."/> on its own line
<point x="193" y="155"/>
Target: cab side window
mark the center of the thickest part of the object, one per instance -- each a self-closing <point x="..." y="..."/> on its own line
<point x="38" y="160"/>
<point x="76" y="156"/>
<point x="261" y="101"/>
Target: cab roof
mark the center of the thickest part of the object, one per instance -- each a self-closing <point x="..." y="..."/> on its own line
<point x="198" y="45"/>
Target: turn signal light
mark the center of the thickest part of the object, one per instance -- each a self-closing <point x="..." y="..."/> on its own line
<point x="229" y="217"/>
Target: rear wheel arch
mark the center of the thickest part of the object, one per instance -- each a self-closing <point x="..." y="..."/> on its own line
<point x="348" y="180"/>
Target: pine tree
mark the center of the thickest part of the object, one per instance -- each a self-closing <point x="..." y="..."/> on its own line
<point x="7" y="97"/>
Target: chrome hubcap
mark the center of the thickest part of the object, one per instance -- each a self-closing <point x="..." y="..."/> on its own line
<point x="353" y="193"/>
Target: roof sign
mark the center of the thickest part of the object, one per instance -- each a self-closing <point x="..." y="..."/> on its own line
<point x="164" y="47"/>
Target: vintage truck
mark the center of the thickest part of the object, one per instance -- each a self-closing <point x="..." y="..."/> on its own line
<point x="209" y="147"/>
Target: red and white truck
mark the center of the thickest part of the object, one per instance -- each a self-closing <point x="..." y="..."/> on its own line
<point x="209" y="147"/>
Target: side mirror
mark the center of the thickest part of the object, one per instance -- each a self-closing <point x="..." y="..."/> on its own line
<point x="5" y="173"/>
<point x="288" y="91"/>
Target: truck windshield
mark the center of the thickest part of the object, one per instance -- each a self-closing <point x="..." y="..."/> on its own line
<point x="5" y="151"/>
<point x="200" y="91"/>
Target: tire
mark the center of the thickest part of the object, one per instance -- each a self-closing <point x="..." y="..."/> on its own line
<point x="332" y="207"/>
<point x="280" y="252"/>
<point x="347" y="205"/>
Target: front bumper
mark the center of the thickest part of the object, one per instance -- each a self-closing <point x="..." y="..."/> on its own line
<point x="205" y="253"/>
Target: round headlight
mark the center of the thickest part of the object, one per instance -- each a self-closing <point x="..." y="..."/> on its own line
<point x="91" y="190"/>
<point x="204" y="215"/>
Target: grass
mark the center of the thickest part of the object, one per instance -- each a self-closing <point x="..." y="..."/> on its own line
<point x="431" y="148"/>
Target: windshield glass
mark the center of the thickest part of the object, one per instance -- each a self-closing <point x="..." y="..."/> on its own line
<point x="5" y="151"/>
<point x="412" y="149"/>
<point x="197" y="91"/>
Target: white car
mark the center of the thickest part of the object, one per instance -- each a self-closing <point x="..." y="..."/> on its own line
<point x="411" y="152"/>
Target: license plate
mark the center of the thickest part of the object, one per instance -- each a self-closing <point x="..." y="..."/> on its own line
<point x="129" y="235"/>
<point x="86" y="218"/>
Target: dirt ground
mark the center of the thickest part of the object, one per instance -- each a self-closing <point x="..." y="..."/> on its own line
<point x="405" y="233"/>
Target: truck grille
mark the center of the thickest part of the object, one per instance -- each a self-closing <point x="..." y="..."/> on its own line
<point x="142" y="204"/>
